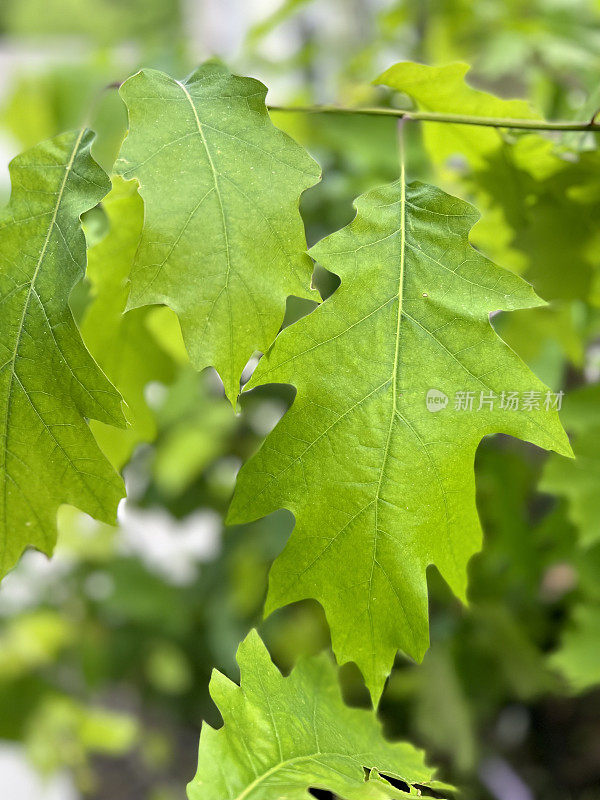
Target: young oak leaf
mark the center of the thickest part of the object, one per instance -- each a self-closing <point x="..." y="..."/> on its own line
<point x="223" y="243"/>
<point x="541" y="211"/>
<point x="533" y="217"/>
<point x="444" y="90"/>
<point x="49" y="383"/>
<point x="380" y="485"/>
<point x="282" y="736"/>
<point x="121" y="343"/>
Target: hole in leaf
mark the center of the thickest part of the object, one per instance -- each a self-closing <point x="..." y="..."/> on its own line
<point x="404" y="787"/>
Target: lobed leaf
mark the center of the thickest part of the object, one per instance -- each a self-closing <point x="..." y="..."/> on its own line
<point x="540" y="206"/>
<point x="381" y="486"/>
<point x="49" y="384"/>
<point x="445" y="90"/>
<point x="541" y="211"/>
<point x="282" y="736"/>
<point x="223" y="242"/>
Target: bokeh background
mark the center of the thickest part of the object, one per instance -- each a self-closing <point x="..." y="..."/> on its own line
<point x="107" y="649"/>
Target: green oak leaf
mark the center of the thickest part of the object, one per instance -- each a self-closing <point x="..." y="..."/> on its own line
<point x="282" y="736"/>
<point x="223" y="243"/>
<point x="382" y="487"/>
<point x="579" y="480"/>
<point x="444" y="90"/>
<point x="49" y="384"/>
<point x="122" y="344"/>
<point x="541" y="212"/>
<point x="539" y="208"/>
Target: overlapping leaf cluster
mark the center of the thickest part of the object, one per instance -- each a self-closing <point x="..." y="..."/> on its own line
<point x="540" y="205"/>
<point x="398" y="375"/>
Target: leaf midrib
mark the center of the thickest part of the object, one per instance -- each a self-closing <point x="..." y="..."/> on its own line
<point x="217" y="186"/>
<point x="394" y="410"/>
<point x="12" y="362"/>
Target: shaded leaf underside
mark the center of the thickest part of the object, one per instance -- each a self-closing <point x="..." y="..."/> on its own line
<point x="49" y="384"/>
<point x="223" y="242"/>
<point x="380" y="486"/>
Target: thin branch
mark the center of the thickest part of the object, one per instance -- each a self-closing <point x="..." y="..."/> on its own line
<point x="431" y="116"/>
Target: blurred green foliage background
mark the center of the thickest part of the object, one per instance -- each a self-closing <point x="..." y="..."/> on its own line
<point x="106" y="651"/>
